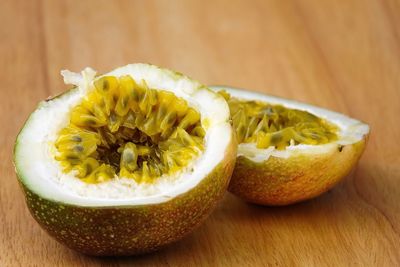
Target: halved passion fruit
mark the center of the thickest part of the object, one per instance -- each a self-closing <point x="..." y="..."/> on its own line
<point x="289" y="151"/>
<point x="125" y="162"/>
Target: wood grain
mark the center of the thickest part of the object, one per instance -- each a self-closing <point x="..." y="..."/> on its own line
<point x="343" y="55"/>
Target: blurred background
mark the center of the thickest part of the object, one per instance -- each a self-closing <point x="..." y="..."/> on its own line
<point x="340" y="54"/>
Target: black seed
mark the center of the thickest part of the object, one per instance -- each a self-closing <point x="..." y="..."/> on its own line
<point x="128" y="157"/>
<point x="275" y="138"/>
<point x="91" y="122"/>
<point x="124" y="101"/>
<point x="88" y="169"/>
<point x="112" y="117"/>
<point x="106" y="85"/>
<point x="78" y="148"/>
<point x="72" y="157"/>
<point x="76" y="138"/>
<point x="242" y="130"/>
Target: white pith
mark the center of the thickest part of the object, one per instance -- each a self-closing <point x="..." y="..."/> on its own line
<point x="350" y="130"/>
<point x="43" y="174"/>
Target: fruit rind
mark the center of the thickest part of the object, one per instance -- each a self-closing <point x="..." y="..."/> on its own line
<point x="280" y="181"/>
<point x="125" y="226"/>
<point x="129" y="230"/>
<point x="303" y="172"/>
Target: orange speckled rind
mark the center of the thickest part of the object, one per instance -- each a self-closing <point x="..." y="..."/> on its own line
<point x="280" y="181"/>
<point x="129" y="230"/>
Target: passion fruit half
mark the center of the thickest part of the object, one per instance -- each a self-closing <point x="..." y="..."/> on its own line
<point x="289" y="151"/>
<point x="125" y="162"/>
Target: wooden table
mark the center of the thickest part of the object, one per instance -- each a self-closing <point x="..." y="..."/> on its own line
<point x="342" y="55"/>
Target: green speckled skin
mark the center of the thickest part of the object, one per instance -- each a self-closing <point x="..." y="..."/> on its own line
<point x="280" y="181"/>
<point x="133" y="229"/>
<point x="129" y="230"/>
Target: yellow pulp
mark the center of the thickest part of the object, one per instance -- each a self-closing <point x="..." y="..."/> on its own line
<point x="274" y="125"/>
<point x="126" y="129"/>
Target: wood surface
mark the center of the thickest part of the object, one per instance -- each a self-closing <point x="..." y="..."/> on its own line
<point x="342" y="55"/>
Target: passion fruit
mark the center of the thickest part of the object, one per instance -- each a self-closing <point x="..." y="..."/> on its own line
<point x="289" y="151"/>
<point x="125" y="162"/>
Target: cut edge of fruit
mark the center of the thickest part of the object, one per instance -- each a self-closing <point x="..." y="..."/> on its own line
<point x="215" y="120"/>
<point x="350" y="130"/>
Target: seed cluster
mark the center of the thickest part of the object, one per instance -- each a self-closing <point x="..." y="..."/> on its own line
<point x="126" y="128"/>
<point x="274" y="125"/>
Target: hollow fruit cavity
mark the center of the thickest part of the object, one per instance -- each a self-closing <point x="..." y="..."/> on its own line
<point x="274" y="125"/>
<point x="123" y="128"/>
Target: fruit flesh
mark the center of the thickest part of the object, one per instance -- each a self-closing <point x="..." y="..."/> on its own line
<point x="127" y="129"/>
<point x="274" y="125"/>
